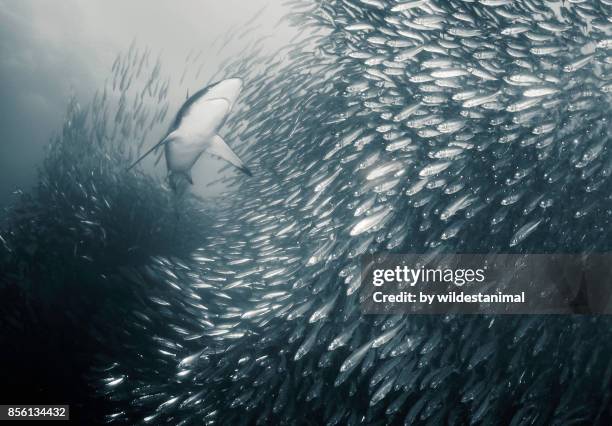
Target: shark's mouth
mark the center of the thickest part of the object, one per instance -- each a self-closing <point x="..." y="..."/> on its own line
<point x="416" y="126"/>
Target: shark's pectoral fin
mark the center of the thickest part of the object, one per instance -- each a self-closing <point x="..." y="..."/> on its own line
<point x="160" y="154"/>
<point x="219" y="148"/>
<point x="152" y="149"/>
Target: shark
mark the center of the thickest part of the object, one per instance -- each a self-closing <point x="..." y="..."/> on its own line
<point x="195" y="128"/>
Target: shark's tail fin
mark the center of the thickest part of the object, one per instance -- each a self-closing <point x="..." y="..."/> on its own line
<point x="179" y="182"/>
<point x="142" y="157"/>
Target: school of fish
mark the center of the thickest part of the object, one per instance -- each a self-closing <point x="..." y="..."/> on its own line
<point x="469" y="126"/>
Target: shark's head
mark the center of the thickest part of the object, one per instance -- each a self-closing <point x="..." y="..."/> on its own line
<point x="226" y="89"/>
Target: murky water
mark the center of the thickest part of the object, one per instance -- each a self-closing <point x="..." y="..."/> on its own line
<point x="405" y="126"/>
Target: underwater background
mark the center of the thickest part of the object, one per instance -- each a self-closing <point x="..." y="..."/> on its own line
<point x="376" y="125"/>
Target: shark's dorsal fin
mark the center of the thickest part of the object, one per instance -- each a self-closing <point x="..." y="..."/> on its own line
<point x="219" y="148"/>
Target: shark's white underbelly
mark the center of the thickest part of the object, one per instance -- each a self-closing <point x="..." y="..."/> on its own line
<point x="196" y="131"/>
<point x="181" y="156"/>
